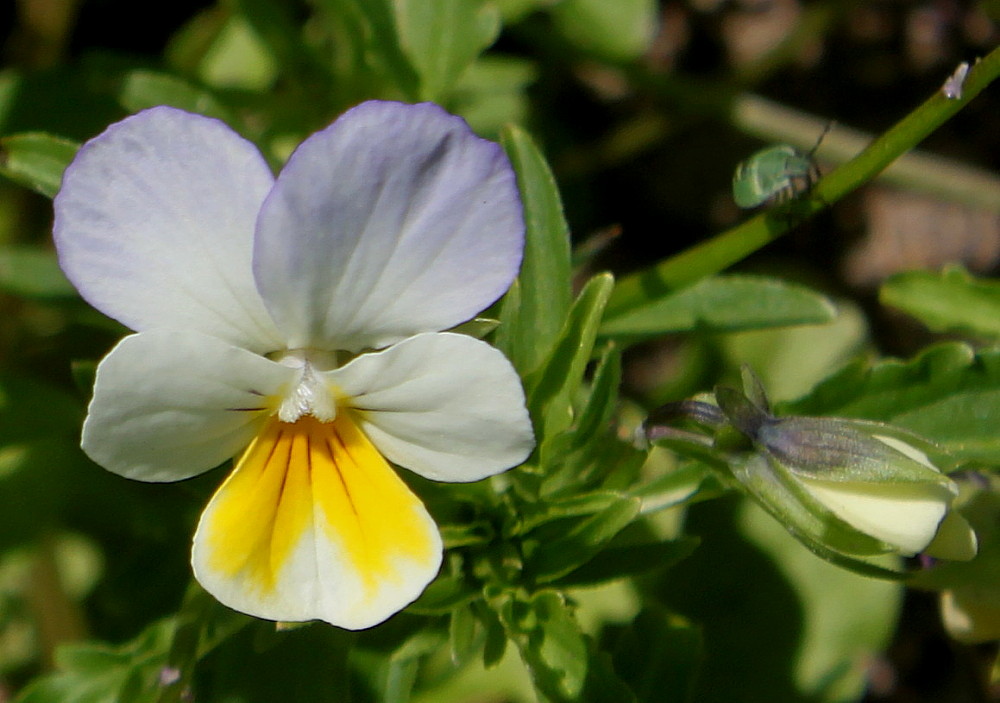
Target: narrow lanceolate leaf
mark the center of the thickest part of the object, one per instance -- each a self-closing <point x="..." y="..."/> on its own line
<point x="551" y="388"/>
<point x="36" y="160"/>
<point x="581" y="542"/>
<point x="602" y="401"/>
<point x="722" y="304"/>
<point x="949" y="394"/>
<point x="442" y="38"/>
<point x="531" y="324"/>
<point x="949" y="301"/>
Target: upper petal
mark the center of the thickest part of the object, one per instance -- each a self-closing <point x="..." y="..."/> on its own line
<point x="170" y="405"/>
<point x="154" y="225"/>
<point x="445" y="406"/>
<point x="394" y="220"/>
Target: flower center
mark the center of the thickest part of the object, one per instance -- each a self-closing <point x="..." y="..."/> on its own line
<point x="312" y="393"/>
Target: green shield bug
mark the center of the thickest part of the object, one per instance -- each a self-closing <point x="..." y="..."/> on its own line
<point x="775" y="174"/>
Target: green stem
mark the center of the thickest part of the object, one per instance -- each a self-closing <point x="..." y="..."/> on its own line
<point x="726" y="249"/>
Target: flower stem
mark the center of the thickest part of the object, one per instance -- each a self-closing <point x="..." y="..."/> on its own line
<point x="733" y="245"/>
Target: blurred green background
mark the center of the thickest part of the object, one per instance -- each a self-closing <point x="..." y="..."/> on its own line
<point x="643" y="110"/>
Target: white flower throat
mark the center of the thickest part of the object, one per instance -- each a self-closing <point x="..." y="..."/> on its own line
<point x="311" y="394"/>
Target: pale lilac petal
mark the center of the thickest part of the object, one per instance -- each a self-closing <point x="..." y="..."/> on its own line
<point x="445" y="406"/>
<point x="394" y="220"/>
<point x="169" y="405"/>
<point x="154" y="225"/>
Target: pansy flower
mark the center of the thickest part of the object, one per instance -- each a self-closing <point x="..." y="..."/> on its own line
<point x="295" y="324"/>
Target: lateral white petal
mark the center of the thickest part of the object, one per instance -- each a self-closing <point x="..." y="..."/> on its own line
<point x="905" y="515"/>
<point x="443" y="405"/>
<point x="170" y="405"/>
<point x="154" y="226"/>
<point x="394" y="220"/>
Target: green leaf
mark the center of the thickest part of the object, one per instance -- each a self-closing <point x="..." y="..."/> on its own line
<point x="443" y="595"/>
<point x="949" y="394"/>
<point x="617" y="562"/>
<point x="274" y="24"/>
<point x="93" y="672"/>
<point x="532" y="319"/>
<point x="552" y="387"/>
<point x="617" y="31"/>
<point x="602" y="402"/>
<point x="659" y="653"/>
<point x="36" y="160"/>
<point x="33" y="273"/>
<point x="847" y="618"/>
<point x="143" y="89"/>
<point x="443" y="37"/>
<point x="462" y="634"/>
<point x="491" y="93"/>
<point x="729" y="303"/>
<point x="559" y="555"/>
<point x="382" y="39"/>
<point x="790" y="361"/>
<point x="549" y="639"/>
<point x="949" y="301"/>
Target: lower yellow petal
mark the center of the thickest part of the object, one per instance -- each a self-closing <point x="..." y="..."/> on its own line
<point x="314" y="523"/>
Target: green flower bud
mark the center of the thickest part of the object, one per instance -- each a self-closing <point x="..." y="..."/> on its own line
<point x="856" y="487"/>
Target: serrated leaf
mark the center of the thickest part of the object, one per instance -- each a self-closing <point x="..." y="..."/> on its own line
<point x="729" y="303"/>
<point x="36" y="160"/>
<point x="553" y="647"/>
<point x="531" y="320"/>
<point x="617" y="31"/>
<point x="559" y="556"/>
<point x="442" y="38"/>
<point x="949" y="394"/>
<point x="33" y="273"/>
<point x="948" y="301"/>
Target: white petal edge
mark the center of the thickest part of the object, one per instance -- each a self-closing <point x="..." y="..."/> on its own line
<point x="315" y="585"/>
<point x="395" y="220"/>
<point x="905" y="515"/>
<point x="171" y="405"/>
<point x="154" y="225"/>
<point x="446" y="406"/>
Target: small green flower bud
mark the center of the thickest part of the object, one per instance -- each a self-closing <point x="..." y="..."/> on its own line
<point x="847" y="476"/>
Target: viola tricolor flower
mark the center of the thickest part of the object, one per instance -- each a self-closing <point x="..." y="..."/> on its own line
<point x="295" y="323"/>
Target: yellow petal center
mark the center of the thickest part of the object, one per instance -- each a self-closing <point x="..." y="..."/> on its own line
<point x="322" y="481"/>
